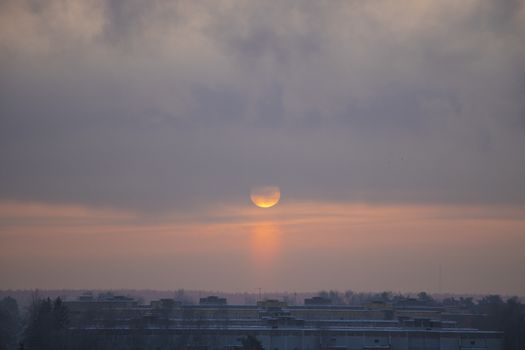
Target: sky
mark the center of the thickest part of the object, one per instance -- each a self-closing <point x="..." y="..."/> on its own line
<point x="131" y="134"/>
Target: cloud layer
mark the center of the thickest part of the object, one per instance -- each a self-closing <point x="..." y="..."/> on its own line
<point x="159" y="104"/>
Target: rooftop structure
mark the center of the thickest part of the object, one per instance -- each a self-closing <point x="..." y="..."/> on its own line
<point x="212" y="300"/>
<point x="317" y="301"/>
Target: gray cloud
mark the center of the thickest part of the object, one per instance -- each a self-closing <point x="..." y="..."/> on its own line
<point x="161" y="104"/>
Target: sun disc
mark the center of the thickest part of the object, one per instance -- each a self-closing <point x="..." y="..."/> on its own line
<point x="266" y="196"/>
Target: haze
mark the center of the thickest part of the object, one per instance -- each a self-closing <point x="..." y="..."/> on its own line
<point x="132" y="132"/>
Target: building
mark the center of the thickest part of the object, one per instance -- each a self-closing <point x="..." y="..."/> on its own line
<point x="213" y="324"/>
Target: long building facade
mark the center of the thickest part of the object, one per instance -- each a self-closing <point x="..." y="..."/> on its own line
<point x="123" y="323"/>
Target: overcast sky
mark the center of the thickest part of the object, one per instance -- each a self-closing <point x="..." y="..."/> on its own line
<point x="162" y="107"/>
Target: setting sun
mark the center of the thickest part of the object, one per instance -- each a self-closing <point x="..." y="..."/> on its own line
<point x="380" y="142"/>
<point x="265" y="197"/>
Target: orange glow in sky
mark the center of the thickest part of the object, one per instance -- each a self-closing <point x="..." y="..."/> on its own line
<point x="299" y="246"/>
<point x="265" y="242"/>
